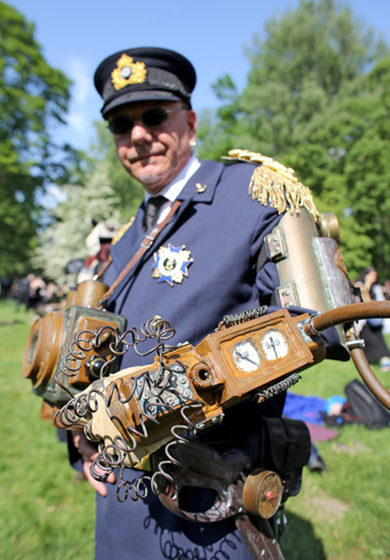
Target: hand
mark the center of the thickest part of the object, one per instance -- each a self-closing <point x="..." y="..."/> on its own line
<point x="89" y="454"/>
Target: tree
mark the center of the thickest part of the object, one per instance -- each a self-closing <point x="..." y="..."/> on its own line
<point x="64" y="239"/>
<point x="367" y="166"/>
<point x="33" y="101"/>
<point x="314" y="102"/>
<point x="104" y="192"/>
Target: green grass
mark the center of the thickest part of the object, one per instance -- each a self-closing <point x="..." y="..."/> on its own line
<point x="44" y="512"/>
<point x="46" y="515"/>
<point x="345" y="511"/>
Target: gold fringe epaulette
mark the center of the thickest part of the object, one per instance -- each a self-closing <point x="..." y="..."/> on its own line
<point x="274" y="184"/>
<point x="121" y="231"/>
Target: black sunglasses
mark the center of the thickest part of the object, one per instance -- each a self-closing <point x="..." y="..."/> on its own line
<point x="150" y="118"/>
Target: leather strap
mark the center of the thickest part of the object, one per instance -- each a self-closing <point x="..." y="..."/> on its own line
<point x="103" y="269"/>
<point x="147" y="242"/>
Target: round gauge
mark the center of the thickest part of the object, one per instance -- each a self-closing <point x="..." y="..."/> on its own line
<point x="245" y="355"/>
<point x="275" y="344"/>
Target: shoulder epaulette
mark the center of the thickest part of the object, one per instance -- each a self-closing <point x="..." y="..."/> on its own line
<point x="121" y="231"/>
<point x="274" y="184"/>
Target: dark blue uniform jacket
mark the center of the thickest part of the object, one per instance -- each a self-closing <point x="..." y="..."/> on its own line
<point x="223" y="228"/>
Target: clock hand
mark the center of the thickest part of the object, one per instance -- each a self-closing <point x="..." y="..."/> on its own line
<point x="245" y="357"/>
<point x="272" y="342"/>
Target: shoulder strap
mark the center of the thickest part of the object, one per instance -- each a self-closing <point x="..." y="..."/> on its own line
<point x="147" y="242"/>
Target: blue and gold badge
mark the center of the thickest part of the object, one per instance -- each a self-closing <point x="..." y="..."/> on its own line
<point x="171" y="263"/>
<point x="128" y="72"/>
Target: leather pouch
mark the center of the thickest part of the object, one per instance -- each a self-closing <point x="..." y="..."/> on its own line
<point x="284" y="447"/>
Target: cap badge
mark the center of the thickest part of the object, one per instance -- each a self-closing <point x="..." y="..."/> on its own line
<point x="200" y="188"/>
<point x="171" y="263"/>
<point x="128" y="72"/>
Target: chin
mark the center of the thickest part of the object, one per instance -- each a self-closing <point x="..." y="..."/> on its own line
<point x="153" y="181"/>
<point x="150" y="178"/>
<point x="153" y="187"/>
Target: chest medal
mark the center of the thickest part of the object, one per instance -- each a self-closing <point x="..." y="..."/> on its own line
<point x="171" y="263"/>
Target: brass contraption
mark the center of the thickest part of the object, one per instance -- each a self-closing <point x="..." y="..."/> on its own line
<point x="134" y="410"/>
<point x="63" y="354"/>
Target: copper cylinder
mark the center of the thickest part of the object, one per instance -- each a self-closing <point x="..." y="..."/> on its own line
<point x="301" y="268"/>
<point x="70" y="299"/>
<point x="262" y="493"/>
<point x="90" y="292"/>
<point x="329" y="226"/>
<point x="43" y="348"/>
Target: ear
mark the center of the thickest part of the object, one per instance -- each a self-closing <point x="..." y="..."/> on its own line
<point x="191" y="123"/>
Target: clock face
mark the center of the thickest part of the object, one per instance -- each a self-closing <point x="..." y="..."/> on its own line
<point x="275" y="344"/>
<point x="245" y="355"/>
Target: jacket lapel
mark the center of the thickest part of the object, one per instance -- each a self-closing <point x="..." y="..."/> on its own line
<point x="125" y="248"/>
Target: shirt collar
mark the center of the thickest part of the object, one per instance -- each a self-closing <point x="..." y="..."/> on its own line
<point x="174" y="188"/>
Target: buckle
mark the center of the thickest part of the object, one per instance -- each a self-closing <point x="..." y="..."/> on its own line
<point x="147" y="242"/>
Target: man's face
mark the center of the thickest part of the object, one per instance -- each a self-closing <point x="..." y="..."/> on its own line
<point x="155" y="154"/>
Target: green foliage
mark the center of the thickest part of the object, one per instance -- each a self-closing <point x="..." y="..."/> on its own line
<point x="33" y="100"/>
<point x="45" y="513"/>
<point x="64" y="239"/>
<point x="105" y="192"/>
<point x="317" y="99"/>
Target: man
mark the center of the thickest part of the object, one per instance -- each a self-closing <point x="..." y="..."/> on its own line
<point x="204" y="263"/>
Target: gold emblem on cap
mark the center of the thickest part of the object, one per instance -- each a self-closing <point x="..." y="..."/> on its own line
<point x="128" y="72"/>
<point x="200" y="188"/>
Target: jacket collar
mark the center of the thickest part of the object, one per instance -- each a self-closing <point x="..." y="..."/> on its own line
<point x="199" y="188"/>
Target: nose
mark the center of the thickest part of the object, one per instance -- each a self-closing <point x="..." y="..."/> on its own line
<point x="140" y="132"/>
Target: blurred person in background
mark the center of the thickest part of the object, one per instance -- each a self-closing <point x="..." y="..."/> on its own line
<point x="375" y="348"/>
<point x="98" y="243"/>
<point x="386" y="293"/>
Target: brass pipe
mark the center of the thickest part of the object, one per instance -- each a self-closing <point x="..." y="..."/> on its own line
<point x="369" y="378"/>
<point x="353" y="312"/>
<point x="346" y="313"/>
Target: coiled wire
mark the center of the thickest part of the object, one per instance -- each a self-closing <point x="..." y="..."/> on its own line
<point x="84" y="341"/>
<point x="182" y="436"/>
<point x="277" y="388"/>
<point x="73" y="360"/>
<point x="243" y="316"/>
<point x="138" y="488"/>
<point x="113" y="451"/>
<point x="84" y="405"/>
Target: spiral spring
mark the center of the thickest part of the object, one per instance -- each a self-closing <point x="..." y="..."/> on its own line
<point x="277" y="388"/>
<point x="150" y="390"/>
<point x="72" y="362"/>
<point x="243" y="316"/>
<point x="85" y="404"/>
<point x="113" y="452"/>
<point x="182" y="438"/>
<point x="155" y="328"/>
<point x="82" y="406"/>
<point x="84" y="341"/>
<point x="138" y="488"/>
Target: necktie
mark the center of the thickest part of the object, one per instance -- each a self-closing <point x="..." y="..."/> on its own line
<point x="152" y="209"/>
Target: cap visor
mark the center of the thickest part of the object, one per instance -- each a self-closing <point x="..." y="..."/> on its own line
<point x="137" y="97"/>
